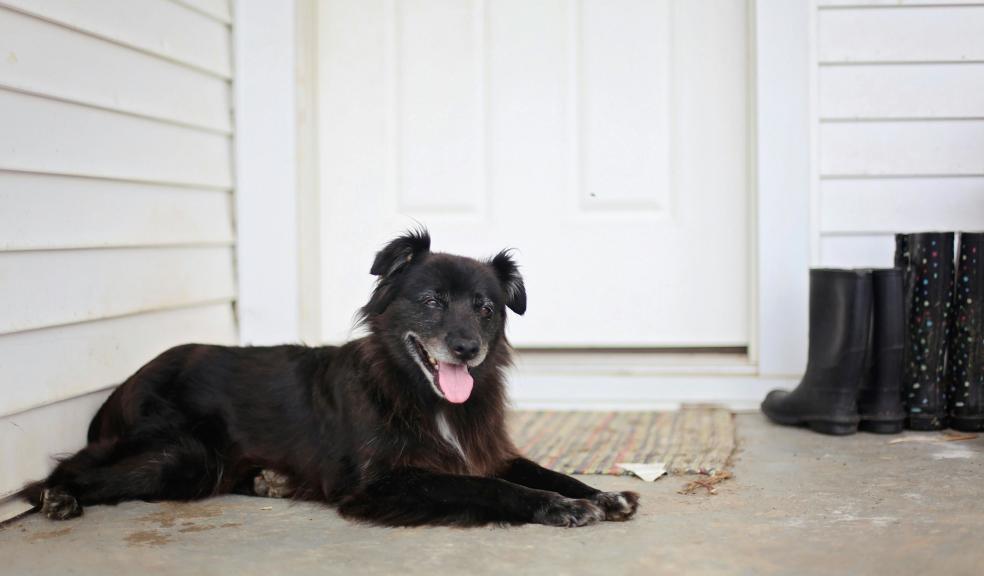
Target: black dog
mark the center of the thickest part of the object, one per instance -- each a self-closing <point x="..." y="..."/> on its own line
<point x="402" y="427"/>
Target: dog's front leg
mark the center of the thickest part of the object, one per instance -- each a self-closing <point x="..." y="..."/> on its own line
<point x="411" y="497"/>
<point x="617" y="505"/>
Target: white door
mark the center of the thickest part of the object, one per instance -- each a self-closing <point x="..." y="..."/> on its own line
<point x="606" y="140"/>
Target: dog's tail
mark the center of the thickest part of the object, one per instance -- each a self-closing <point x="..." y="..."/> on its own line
<point x="31" y="493"/>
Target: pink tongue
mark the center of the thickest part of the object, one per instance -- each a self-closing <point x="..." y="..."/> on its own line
<point x="455" y="381"/>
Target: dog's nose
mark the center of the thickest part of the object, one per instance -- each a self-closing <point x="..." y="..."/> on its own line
<point x="464" y="349"/>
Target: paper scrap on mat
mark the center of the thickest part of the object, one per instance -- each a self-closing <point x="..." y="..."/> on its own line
<point x="648" y="472"/>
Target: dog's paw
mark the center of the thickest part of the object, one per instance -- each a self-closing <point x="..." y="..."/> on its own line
<point x="618" y="506"/>
<point x="272" y="484"/>
<point x="569" y="513"/>
<point x="58" y="504"/>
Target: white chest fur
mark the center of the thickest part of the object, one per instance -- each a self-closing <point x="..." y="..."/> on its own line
<point x="448" y="434"/>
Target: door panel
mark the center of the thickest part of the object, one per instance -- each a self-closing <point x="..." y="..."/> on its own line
<point x="606" y="140"/>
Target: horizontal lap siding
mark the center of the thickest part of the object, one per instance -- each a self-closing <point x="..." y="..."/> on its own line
<point x="911" y="91"/>
<point x="51" y="288"/>
<point x="116" y="205"/>
<point x="101" y="353"/>
<point x="55" y="137"/>
<point x="218" y="9"/>
<point x="42" y="211"/>
<point x="901" y="124"/>
<point x="885" y="205"/>
<point x="901" y="34"/>
<point x="40" y="58"/>
<point x="163" y="28"/>
<point x="890" y="3"/>
<point x="31" y="440"/>
<point x="899" y="148"/>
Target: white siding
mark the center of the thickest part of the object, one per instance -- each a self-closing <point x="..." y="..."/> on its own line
<point x="142" y="214"/>
<point x="880" y="92"/>
<point x="904" y="34"/>
<point x="98" y="355"/>
<point x="116" y="222"/>
<point x="54" y="60"/>
<point x="58" y="137"/>
<point x="166" y="29"/>
<point x="900" y="133"/>
<point x="32" y="439"/>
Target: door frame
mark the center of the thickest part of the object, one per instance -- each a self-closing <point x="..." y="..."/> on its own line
<point x="781" y="210"/>
<point x="266" y="200"/>
<point x="783" y="191"/>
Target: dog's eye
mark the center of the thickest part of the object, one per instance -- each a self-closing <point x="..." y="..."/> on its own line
<point x="432" y="303"/>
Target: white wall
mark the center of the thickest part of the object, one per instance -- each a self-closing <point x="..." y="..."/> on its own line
<point x="899" y="122"/>
<point x="116" y="207"/>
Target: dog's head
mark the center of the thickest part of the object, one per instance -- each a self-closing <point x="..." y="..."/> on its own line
<point x="442" y="317"/>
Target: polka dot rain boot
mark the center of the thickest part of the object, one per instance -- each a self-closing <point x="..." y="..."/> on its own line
<point x="880" y="398"/>
<point x="926" y="260"/>
<point x="965" y="363"/>
<point x="826" y="399"/>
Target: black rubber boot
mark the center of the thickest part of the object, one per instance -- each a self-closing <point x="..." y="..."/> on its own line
<point x="965" y="364"/>
<point x="880" y="397"/>
<point x="826" y="398"/>
<point x="926" y="260"/>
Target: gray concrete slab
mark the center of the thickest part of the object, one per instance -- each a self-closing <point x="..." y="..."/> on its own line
<point x="800" y="503"/>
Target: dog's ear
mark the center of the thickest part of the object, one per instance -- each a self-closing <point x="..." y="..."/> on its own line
<point x="389" y="262"/>
<point x="400" y="252"/>
<point x="512" y="283"/>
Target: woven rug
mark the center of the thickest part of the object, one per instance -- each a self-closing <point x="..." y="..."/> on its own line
<point x="691" y="440"/>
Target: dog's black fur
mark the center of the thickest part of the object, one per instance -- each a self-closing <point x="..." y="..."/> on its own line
<point x="361" y="426"/>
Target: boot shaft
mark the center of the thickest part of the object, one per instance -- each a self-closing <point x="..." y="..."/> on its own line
<point x="965" y="364"/>
<point x="880" y="398"/>
<point x="926" y="260"/>
<point x="888" y="310"/>
<point x="840" y="309"/>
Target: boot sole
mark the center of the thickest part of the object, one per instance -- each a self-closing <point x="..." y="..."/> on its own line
<point x="926" y="423"/>
<point x="817" y="425"/>
<point x="832" y="428"/>
<point x="876" y="427"/>
<point x="967" y="423"/>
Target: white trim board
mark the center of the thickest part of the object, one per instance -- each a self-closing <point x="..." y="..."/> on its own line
<point x="784" y="171"/>
<point x="266" y="169"/>
<point x="630" y="392"/>
<point x="636" y="380"/>
<point x="11" y="507"/>
<point x="636" y="363"/>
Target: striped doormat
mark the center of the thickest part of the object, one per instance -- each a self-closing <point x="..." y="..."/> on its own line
<point x="691" y="440"/>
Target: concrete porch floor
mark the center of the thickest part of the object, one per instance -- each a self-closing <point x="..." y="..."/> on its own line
<point x="800" y="503"/>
